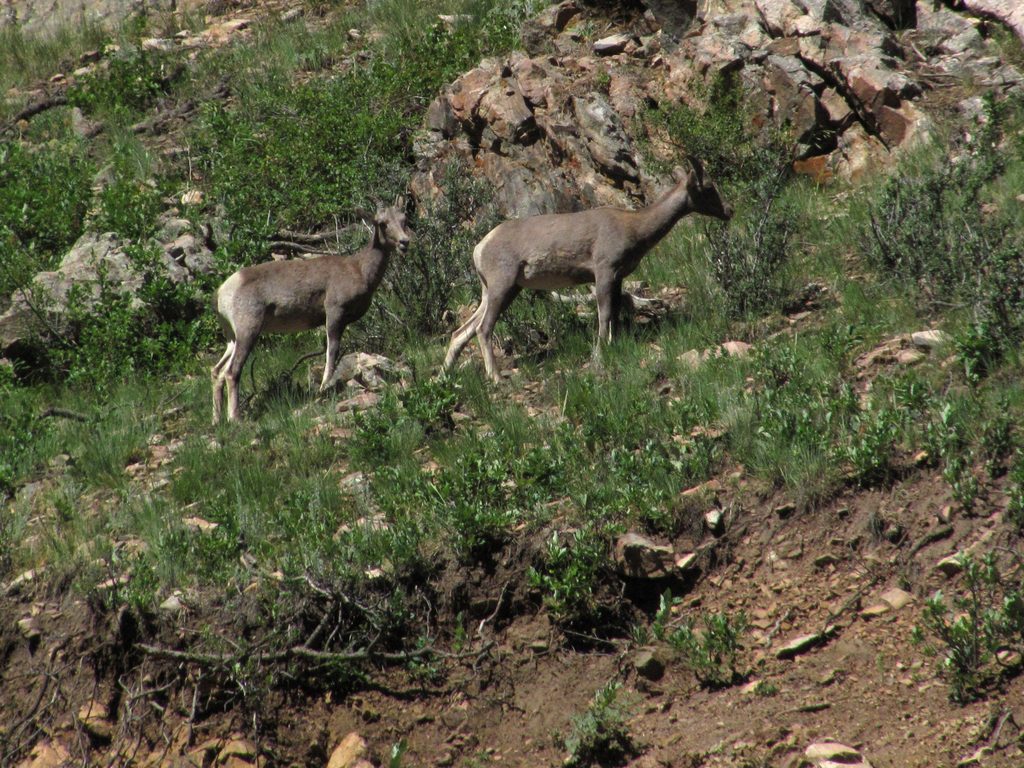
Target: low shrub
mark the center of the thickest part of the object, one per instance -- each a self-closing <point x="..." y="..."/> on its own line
<point x="710" y="652"/>
<point x="600" y="736"/>
<point x="976" y="625"/>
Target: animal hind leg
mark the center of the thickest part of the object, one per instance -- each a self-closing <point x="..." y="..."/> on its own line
<point x="217" y="381"/>
<point x="233" y="371"/>
<point x="464" y="333"/>
<point x="497" y="302"/>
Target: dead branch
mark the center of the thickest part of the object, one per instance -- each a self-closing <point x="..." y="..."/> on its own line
<point x="56" y="100"/>
<point x="62" y="413"/>
<point x="293" y="247"/>
<point x="299" y="652"/>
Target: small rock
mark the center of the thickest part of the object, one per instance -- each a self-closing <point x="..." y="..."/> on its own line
<point x="200" y="525"/>
<point x="29" y="628"/>
<point x="649" y="664"/>
<point x="349" y="752"/>
<point x="192" y="197"/>
<point x="612" y="45"/>
<point x="897" y="598"/>
<point x="714" y="521"/>
<point x="20" y="581"/>
<point x="734" y="349"/>
<point x="687" y="561"/>
<point x="359" y="402"/>
<point x="236" y="25"/>
<point x="159" y="44"/>
<point x="803" y="644"/>
<point x="929" y="339"/>
<point x="95" y="718"/>
<point x="242" y="748"/>
<point x="832" y="754"/>
<point x="291" y="14"/>
<point x="875" y="611"/>
<point x="750" y="688"/>
<point x="540" y="646"/>
<point x="909" y="357"/>
<point x="638" y="557"/>
<point x="47" y="754"/>
<point x="950" y="566"/>
<point x="825" y="560"/>
<point x="173" y="604"/>
<point x="785" y="510"/>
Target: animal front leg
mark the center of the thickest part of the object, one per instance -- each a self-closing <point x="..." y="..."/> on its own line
<point x="605" y="290"/>
<point x="334" y="331"/>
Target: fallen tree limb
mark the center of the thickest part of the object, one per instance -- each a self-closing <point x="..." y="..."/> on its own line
<point x="305" y="653"/>
<point x="56" y="100"/>
<point x="62" y="413"/>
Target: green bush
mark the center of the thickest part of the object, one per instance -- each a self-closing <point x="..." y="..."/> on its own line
<point x="710" y="652"/>
<point x="20" y="432"/>
<point x="986" y="618"/>
<point x="305" y="156"/>
<point x="599" y="736"/>
<point x="570" y="575"/>
<point x="424" y="283"/>
<point x="717" y="131"/>
<point x="749" y="254"/>
<point x="44" y="196"/>
<point x="931" y="228"/>
<point x="129" y="208"/>
<point x="114" y="333"/>
<point x="130" y="82"/>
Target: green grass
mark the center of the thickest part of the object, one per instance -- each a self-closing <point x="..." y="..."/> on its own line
<point x="25" y="58"/>
<point x="456" y="473"/>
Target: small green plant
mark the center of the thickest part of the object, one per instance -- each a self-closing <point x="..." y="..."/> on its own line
<point x="871" y="447"/>
<point x="973" y="627"/>
<point x="1015" y="509"/>
<point x="662" y="617"/>
<point x="749" y="255"/>
<point x="710" y="652"/>
<point x="129" y="208"/>
<point x="569" y="576"/>
<point x="423" y="285"/>
<point x="599" y="735"/>
<point x="131" y="81"/>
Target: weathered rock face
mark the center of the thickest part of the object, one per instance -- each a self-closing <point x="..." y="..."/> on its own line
<point x="47" y="15"/>
<point x="559" y="128"/>
<point x="99" y="259"/>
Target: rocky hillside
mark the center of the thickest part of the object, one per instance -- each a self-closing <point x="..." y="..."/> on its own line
<point x="777" y="523"/>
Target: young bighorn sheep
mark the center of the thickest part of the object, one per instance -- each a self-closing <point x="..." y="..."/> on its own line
<point x="600" y="246"/>
<point x="297" y="295"/>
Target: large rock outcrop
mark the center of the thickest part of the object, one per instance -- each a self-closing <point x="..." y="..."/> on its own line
<point x="558" y="127"/>
<point x="95" y="260"/>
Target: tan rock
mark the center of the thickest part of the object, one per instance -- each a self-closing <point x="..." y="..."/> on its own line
<point x="832" y="754"/>
<point x="897" y="598"/>
<point x="349" y="753"/>
<point x="238" y="748"/>
<point x="637" y="556"/>
<point x="95" y="719"/>
<point x="47" y="754"/>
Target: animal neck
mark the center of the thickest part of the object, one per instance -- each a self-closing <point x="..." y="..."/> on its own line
<point x="374" y="259"/>
<point x="655" y="221"/>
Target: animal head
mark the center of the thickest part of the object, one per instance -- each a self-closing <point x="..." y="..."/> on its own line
<point x="392" y="230"/>
<point x="704" y="195"/>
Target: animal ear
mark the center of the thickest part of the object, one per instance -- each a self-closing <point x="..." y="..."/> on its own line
<point x="698" y="169"/>
<point x="400" y="202"/>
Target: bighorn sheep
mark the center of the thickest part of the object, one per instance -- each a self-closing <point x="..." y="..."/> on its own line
<point x="297" y="295"/>
<point x="600" y="246"/>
